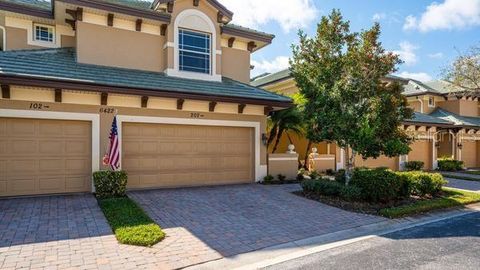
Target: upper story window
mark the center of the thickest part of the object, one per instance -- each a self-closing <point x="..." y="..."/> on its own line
<point x="194" y="51"/>
<point x="431" y="102"/>
<point x="44" y="33"/>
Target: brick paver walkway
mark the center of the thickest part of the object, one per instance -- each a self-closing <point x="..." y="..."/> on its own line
<point x="236" y="219"/>
<point x="202" y="224"/>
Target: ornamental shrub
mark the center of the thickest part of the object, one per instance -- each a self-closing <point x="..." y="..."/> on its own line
<point x="450" y="165"/>
<point x="414" y="165"/>
<point x="423" y="184"/>
<point x="340" y="176"/>
<point x="322" y="187"/>
<point x="378" y="185"/>
<point x="268" y="179"/>
<point x="110" y="184"/>
<point x="281" y="178"/>
<point x="351" y="193"/>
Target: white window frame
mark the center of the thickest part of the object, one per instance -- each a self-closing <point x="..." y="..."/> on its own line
<point x="210" y="54"/>
<point x="34" y="28"/>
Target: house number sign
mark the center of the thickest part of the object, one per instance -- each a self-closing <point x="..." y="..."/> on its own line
<point x="38" y="106"/>
<point x="196" y="115"/>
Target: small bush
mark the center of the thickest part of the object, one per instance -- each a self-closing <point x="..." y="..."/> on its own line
<point x="340" y="176"/>
<point x="450" y="165"/>
<point x="351" y="193"/>
<point x="110" y="184"/>
<point x="322" y="186"/>
<point x="314" y="175"/>
<point x="268" y="179"/>
<point x="330" y="172"/>
<point x="281" y="178"/>
<point x="300" y="177"/>
<point x="423" y="184"/>
<point x="378" y="185"/>
<point x="414" y="165"/>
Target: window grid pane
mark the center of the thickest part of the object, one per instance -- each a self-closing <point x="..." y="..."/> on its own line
<point x="43" y="33"/>
<point x="194" y="51"/>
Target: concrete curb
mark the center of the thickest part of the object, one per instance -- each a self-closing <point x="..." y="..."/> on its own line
<point x="300" y="248"/>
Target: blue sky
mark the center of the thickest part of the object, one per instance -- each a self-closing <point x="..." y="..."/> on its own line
<point x="427" y="34"/>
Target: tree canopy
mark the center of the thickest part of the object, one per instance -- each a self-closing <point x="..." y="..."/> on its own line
<point x="341" y="76"/>
<point x="465" y="70"/>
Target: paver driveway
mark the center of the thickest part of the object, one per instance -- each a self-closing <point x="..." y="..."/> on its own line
<point x="202" y="224"/>
<point x="231" y="220"/>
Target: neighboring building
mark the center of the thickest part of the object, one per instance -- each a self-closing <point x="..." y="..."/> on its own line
<point x="446" y="124"/>
<point x="175" y="72"/>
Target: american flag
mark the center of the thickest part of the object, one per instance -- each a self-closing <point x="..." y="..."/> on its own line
<point x="114" y="154"/>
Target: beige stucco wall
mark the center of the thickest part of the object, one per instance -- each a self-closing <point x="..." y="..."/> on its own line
<point x="17" y="39"/>
<point x="108" y="46"/>
<point x="462" y="107"/>
<point x="382" y="161"/>
<point x="469" y="153"/>
<point x="422" y="151"/>
<point x="236" y="64"/>
<point x="284" y="164"/>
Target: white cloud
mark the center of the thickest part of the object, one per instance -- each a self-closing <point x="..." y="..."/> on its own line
<point x="407" y="53"/>
<point x="277" y="64"/>
<point x="379" y="17"/>
<point x="449" y="15"/>
<point x="420" y="76"/>
<point x="437" y="55"/>
<point x="290" y="15"/>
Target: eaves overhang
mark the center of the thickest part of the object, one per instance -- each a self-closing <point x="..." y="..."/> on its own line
<point x="50" y="82"/>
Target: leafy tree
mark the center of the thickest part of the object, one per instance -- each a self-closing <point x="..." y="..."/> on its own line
<point x="340" y="74"/>
<point x="465" y="70"/>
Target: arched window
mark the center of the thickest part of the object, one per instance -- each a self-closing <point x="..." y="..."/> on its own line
<point x="195" y="41"/>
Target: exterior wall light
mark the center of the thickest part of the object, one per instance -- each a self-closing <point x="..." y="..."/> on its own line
<point x="460" y="146"/>
<point x="264" y="139"/>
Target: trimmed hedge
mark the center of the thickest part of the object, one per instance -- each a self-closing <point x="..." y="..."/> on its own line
<point x="450" y="165"/>
<point x="414" y="165"/>
<point x="379" y="185"/>
<point x="110" y="184"/>
<point x="424" y="184"/>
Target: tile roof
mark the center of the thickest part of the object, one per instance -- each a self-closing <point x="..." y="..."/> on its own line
<point x="246" y="29"/>
<point x="60" y="65"/>
<point x="428" y="119"/>
<point x="271" y="78"/>
<point x="41" y="4"/>
<point x="458" y="120"/>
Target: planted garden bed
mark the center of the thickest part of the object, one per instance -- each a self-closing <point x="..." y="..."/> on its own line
<point x="387" y="193"/>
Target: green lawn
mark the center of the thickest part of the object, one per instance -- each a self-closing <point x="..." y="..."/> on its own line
<point x="130" y="223"/>
<point x="462" y="177"/>
<point x="450" y="198"/>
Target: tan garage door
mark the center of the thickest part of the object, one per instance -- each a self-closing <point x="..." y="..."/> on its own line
<point x="44" y="156"/>
<point x="421" y="151"/>
<point x="161" y="155"/>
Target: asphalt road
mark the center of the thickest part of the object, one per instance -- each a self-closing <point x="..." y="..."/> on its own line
<point x="448" y="244"/>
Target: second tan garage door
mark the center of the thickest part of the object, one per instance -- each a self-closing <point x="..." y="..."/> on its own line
<point x="162" y="155"/>
<point x="44" y="156"/>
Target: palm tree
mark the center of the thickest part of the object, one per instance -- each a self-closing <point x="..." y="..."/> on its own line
<point x="284" y="121"/>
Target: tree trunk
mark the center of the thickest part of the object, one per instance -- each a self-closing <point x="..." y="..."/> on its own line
<point x="279" y="136"/>
<point x="309" y="145"/>
<point x="273" y="134"/>
<point x="289" y="138"/>
<point x="350" y="158"/>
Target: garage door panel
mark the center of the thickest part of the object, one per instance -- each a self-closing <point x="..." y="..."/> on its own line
<point x="3" y="127"/>
<point x="45" y="156"/>
<point x="186" y="155"/>
<point x="47" y="184"/>
<point x="21" y="127"/>
<point x="3" y="188"/>
<point x="22" y="147"/>
<point x="77" y="147"/>
<point x="48" y="166"/>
